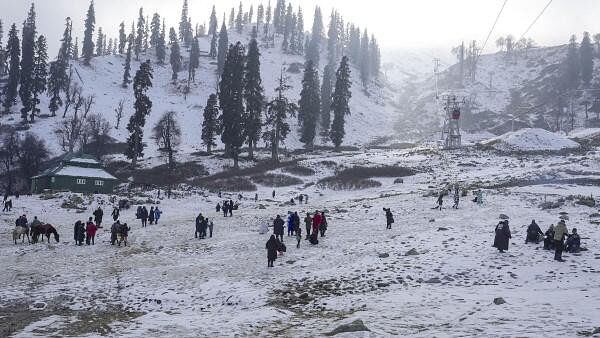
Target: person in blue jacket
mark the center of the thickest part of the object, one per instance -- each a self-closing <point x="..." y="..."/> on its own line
<point x="290" y="224"/>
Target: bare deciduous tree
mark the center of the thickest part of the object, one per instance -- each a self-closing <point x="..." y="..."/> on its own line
<point x="96" y="134"/>
<point x="88" y="102"/>
<point x="167" y="135"/>
<point x="68" y="132"/>
<point x="119" y="113"/>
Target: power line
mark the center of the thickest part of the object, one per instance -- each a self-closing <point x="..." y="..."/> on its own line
<point x="536" y="19"/>
<point x="493" y="27"/>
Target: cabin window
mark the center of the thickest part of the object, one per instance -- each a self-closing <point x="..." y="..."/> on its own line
<point x="99" y="183"/>
<point x="53" y="179"/>
<point x="81" y="181"/>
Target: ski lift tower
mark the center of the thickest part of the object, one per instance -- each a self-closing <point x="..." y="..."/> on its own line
<point x="451" y="129"/>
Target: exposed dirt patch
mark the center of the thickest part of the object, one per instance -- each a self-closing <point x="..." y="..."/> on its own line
<point x="276" y="180"/>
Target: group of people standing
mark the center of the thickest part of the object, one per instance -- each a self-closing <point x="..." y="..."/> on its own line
<point x="314" y="224"/>
<point x="202" y="225"/>
<point x="152" y="216"/>
<point x="554" y="238"/>
<point x="227" y="208"/>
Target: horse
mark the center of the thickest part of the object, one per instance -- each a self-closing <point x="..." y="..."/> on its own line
<point x="44" y="230"/>
<point x="121" y="238"/>
<point x="21" y="231"/>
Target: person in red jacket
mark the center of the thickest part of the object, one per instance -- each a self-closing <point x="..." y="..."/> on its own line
<point x="316" y="222"/>
<point x="90" y="232"/>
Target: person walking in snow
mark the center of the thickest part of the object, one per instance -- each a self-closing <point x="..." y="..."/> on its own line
<point x="151" y="215"/>
<point x="534" y="233"/>
<point x="255" y="197"/>
<point x="502" y="236"/>
<point x="290" y="224"/>
<point x="98" y="214"/>
<point x="560" y="232"/>
<point x="157" y="214"/>
<point x="210" y="227"/>
<point x="440" y="201"/>
<point x="456" y="198"/>
<point x="79" y="233"/>
<point x="317" y="218"/>
<point x="296" y="220"/>
<point x="298" y="237"/>
<point x="144" y="217"/>
<point x="272" y="246"/>
<point x="90" y="232"/>
<point x="230" y="208"/>
<point x="198" y="232"/>
<point x="115" y="214"/>
<point x="218" y="208"/>
<point x="278" y="227"/>
<point x="301" y="198"/>
<point x="549" y="238"/>
<point x="225" y="211"/>
<point x="323" y="225"/>
<point x="307" y="224"/>
<point x="389" y="217"/>
<point x="114" y="230"/>
<point x="273" y="194"/>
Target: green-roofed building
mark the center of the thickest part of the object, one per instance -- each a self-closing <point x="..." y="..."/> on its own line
<point x="76" y="173"/>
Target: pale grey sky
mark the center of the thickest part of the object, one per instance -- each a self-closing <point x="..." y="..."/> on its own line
<point x="396" y="23"/>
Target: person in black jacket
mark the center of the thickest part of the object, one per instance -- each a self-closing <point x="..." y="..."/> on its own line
<point x="502" y="236"/>
<point x="278" y="227"/>
<point x="389" y="217"/>
<point x="115" y="214"/>
<point x="272" y="246"/>
<point x="144" y="217"/>
<point x="533" y="233"/>
<point x="79" y="233"/>
<point x="549" y="239"/>
<point x="98" y="214"/>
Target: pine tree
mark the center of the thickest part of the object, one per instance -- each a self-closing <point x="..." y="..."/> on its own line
<point x="13" y="49"/>
<point x="27" y="64"/>
<point x="172" y="36"/>
<point x="255" y="97"/>
<point x="183" y="24"/>
<point x="314" y="48"/>
<point x="355" y="45"/>
<point x="268" y="17"/>
<point x="146" y="34"/>
<point x="231" y="99"/>
<point x="58" y="80"/>
<point x="232" y="19"/>
<point x="194" y="60"/>
<point x="300" y="33"/>
<point x="1" y="33"/>
<point x="222" y="51"/>
<point x="213" y="23"/>
<point x="40" y="73"/>
<point x="99" y="41"/>
<point x="375" y="58"/>
<point x="76" y="50"/>
<point x="139" y="38"/>
<point x="586" y="55"/>
<point x="209" y="125"/>
<point x="155" y="30"/>
<point x="287" y="28"/>
<point x="127" y="70"/>
<point x="278" y="111"/>
<point x="175" y="60"/>
<point x="88" y="43"/>
<point x="309" y="106"/>
<point x="341" y="98"/>
<point x="251" y="14"/>
<point x="365" y="63"/>
<point x="260" y="15"/>
<point x="110" y="47"/>
<point x="143" y="106"/>
<point x="189" y="33"/>
<point x="332" y="39"/>
<point x="279" y="17"/>
<point x="239" y="24"/>
<point x="213" y="47"/>
<point x="122" y="38"/>
<point x="572" y="67"/>
<point x="161" y="45"/>
<point x="326" y="92"/>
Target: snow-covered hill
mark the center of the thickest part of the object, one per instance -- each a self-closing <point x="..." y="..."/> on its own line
<point x="371" y="117"/>
<point x="517" y="90"/>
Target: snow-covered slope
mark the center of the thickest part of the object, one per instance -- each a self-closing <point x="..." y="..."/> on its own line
<point x="371" y="117"/>
<point x="531" y="140"/>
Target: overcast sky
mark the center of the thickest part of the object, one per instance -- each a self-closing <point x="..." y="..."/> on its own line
<point x="397" y="23"/>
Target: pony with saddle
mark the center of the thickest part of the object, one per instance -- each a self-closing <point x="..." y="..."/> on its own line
<point x="43" y="229"/>
<point x="21" y="231"/>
